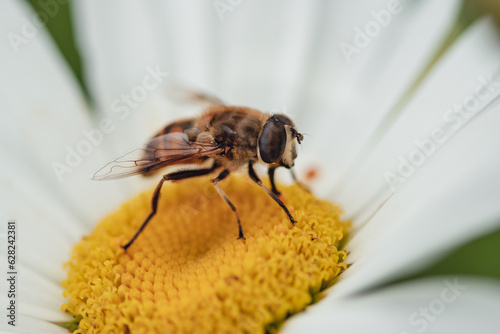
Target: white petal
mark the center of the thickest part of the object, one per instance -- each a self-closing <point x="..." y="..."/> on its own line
<point x="437" y="305"/>
<point x="36" y="295"/>
<point x="450" y="199"/>
<point x="46" y="230"/>
<point x="456" y="78"/>
<point x="46" y="115"/>
<point x="45" y="234"/>
<point x="28" y="325"/>
<point x="117" y="58"/>
<point x="346" y="102"/>
<point x="235" y="57"/>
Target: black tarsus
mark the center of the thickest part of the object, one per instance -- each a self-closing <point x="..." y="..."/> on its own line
<point x="271" y="171"/>
<point x="185" y="174"/>
<point x="215" y="181"/>
<point x="255" y="178"/>
<point x="300" y="184"/>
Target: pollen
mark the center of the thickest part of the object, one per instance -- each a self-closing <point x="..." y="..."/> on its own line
<point x="188" y="273"/>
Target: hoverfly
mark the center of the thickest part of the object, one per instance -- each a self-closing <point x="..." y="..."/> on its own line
<point x="230" y="137"/>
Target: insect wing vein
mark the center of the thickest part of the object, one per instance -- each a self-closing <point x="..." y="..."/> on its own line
<point x="166" y="150"/>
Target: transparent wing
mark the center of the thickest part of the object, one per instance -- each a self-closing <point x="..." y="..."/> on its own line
<point x="184" y="95"/>
<point x="169" y="149"/>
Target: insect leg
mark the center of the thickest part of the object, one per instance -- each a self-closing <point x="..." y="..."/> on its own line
<point x="300" y="184"/>
<point x="215" y="181"/>
<point x="271" y="171"/>
<point x="185" y="174"/>
<point x="256" y="179"/>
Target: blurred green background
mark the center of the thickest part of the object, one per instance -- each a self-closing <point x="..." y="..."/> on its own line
<point x="479" y="257"/>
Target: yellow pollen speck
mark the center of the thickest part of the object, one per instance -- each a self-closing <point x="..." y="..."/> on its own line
<point x="188" y="273"/>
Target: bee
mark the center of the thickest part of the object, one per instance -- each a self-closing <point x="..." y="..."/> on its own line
<point x="225" y="137"/>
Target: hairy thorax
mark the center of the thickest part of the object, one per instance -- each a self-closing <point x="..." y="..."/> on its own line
<point x="236" y="130"/>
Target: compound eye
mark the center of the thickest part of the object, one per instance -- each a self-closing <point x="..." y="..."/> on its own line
<point x="272" y="141"/>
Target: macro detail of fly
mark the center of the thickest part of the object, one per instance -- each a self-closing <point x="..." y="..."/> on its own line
<point x="228" y="137"/>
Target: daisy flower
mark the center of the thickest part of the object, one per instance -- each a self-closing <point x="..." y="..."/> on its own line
<point x="401" y="110"/>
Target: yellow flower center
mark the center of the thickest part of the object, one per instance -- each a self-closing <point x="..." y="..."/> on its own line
<point x="188" y="273"/>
